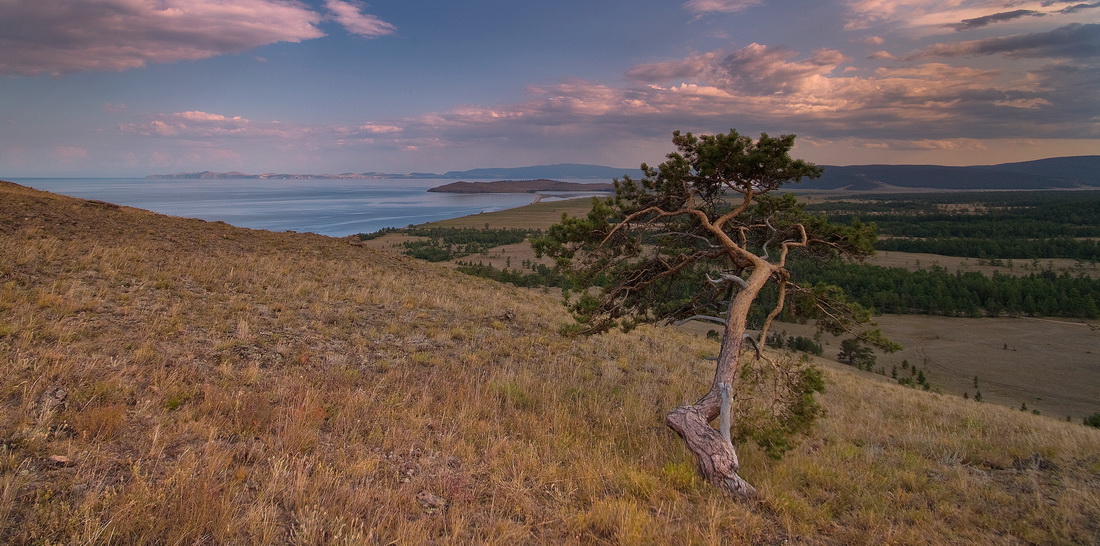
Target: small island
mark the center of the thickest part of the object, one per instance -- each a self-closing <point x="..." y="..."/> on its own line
<point x="521" y="186"/>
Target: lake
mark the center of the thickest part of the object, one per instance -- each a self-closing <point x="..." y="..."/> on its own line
<point x="329" y="207"/>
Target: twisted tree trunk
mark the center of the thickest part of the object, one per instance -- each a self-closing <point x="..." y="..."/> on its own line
<point x="716" y="458"/>
<point x="714" y="454"/>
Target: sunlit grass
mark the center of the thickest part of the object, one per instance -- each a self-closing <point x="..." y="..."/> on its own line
<point x="177" y="381"/>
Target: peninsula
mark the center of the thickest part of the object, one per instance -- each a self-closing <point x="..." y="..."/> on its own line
<point x="520" y="186"/>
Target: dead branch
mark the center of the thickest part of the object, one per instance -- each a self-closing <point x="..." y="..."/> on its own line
<point x="710" y="318"/>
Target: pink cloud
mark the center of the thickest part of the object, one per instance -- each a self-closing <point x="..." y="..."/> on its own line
<point x="200" y="125"/>
<point x="67" y="154"/>
<point x="691" y="67"/>
<point x="194" y="115"/>
<point x="936" y="105"/>
<point x="770" y="87"/>
<point x="1073" y="41"/>
<point x="56" y="37"/>
<point x="378" y="128"/>
<point x="934" y="15"/>
<point x="350" y="15"/>
<point x="723" y="6"/>
<point x="758" y="69"/>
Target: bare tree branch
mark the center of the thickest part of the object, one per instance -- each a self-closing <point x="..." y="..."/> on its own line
<point x="802" y="242"/>
<point x="782" y="300"/>
<point x="710" y="318"/>
<point x="728" y="277"/>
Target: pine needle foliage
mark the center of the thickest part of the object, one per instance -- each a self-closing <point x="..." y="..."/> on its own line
<point x="703" y="236"/>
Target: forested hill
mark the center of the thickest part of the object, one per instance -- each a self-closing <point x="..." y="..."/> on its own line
<point x="1053" y="173"/>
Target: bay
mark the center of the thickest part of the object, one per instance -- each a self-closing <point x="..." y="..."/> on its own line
<point x="334" y="207"/>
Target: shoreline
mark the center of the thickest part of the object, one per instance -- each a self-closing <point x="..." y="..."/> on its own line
<point x="334" y="208"/>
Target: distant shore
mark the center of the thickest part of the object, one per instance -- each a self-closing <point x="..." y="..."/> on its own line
<point x="233" y="175"/>
<point x="521" y="186"/>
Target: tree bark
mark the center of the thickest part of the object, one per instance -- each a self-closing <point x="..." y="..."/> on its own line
<point x="715" y="457"/>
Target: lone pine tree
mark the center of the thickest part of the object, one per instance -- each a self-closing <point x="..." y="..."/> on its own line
<point x="704" y="237"/>
<point x="854" y="353"/>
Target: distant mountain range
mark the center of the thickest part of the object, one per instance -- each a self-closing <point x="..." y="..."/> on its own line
<point x="521" y="186"/>
<point x="1054" y="173"/>
<point x="560" y="170"/>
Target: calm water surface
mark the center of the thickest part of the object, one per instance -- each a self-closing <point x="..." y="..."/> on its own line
<point x="328" y="207"/>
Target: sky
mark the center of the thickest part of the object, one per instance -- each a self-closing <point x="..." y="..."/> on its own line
<point x="134" y="87"/>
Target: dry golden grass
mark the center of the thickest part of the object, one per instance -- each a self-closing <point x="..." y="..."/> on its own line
<point x="1047" y="364"/>
<point x="539" y="215"/>
<point x="173" y="381"/>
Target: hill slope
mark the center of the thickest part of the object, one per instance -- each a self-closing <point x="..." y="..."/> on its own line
<point x="174" y="380"/>
<point x="1053" y="173"/>
<point x="560" y="170"/>
<point x="520" y="186"/>
<point x="1084" y="169"/>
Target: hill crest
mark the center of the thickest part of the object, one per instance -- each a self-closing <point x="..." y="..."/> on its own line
<point x="1053" y="173"/>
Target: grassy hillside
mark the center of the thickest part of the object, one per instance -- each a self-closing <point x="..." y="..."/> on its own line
<point x="174" y="381"/>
